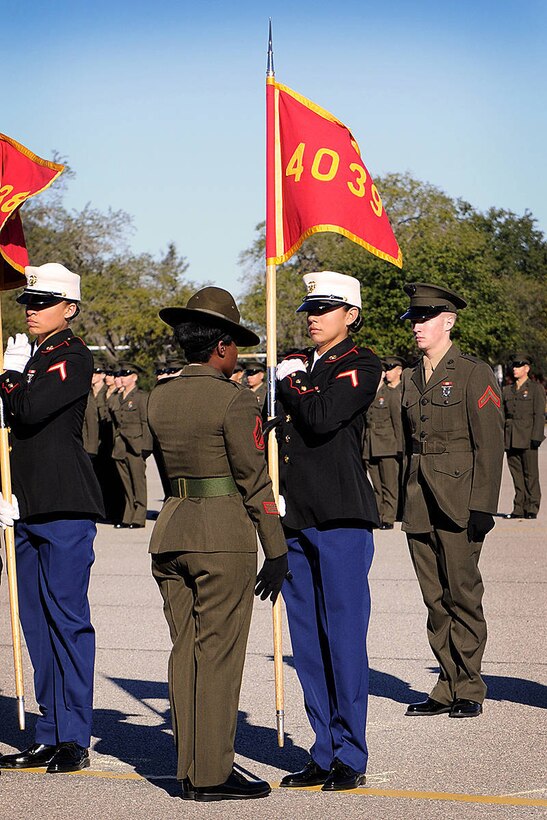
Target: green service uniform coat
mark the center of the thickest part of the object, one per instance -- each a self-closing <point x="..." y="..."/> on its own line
<point x="90" y="429"/>
<point x="383" y="449"/>
<point x="524" y="423"/>
<point x="103" y="464"/>
<point x="132" y="445"/>
<point x="454" y="427"/>
<point x="204" y="556"/>
<point x="261" y="394"/>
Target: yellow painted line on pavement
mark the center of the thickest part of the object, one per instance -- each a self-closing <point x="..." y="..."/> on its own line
<point x="454" y="797"/>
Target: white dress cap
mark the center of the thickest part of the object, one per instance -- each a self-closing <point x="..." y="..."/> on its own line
<point x="53" y="278"/>
<point x="327" y="286"/>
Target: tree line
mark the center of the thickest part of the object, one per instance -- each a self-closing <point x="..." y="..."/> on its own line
<point x="497" y="260"/>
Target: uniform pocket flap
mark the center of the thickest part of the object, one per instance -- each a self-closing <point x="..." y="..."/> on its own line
<point x="453" y="464"/>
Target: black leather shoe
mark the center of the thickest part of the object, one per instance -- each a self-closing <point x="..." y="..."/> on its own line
<point x="531" y="515"/>
<point x="386" y="526"/>
<point x="136" y="526"/>
<point x="188" y="791"/>
<point x="342" y="778"/>
<point x="121" y="526"/>
<point x="513" y="515"/>
<point x="69" y="757"/>
<point x="428" y="707"/>
<point x="310" y="775"/>
<point x="36" y="755"/>
<point x="462" y="708"/>
<point x="235" y="787"/>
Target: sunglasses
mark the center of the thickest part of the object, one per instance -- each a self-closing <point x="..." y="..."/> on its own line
<point x="390" y="366"/>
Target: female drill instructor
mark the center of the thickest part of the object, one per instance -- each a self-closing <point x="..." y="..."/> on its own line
<point x="204" y="542"/>
<point x="330" y="510"/>
<point x="44" y="391"/>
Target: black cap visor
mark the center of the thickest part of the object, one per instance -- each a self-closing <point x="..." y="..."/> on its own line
<point x="38" y="298"/>
<point x="322" y="305"/>
<point x="424" y="312"/>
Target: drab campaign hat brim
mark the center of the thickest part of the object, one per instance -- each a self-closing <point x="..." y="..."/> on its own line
<point x="213" y="307"/>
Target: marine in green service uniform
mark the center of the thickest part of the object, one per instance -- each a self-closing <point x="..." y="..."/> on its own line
<point x="255" y="376"/>
<point x="383" y="447"/>
<point x="132" y="443"/>
<point x="524" y="407"/>
<point x="454" y="424"/>
<point x="204" y="543"/>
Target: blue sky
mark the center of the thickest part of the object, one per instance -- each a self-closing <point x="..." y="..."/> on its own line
<point x="159" y="107"/>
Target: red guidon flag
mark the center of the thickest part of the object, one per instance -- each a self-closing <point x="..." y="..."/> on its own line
<point x="22" y="175"/>
<point x="316" y="181"/>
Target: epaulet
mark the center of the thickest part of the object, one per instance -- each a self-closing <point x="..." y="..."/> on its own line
<point x="473" y="359"/>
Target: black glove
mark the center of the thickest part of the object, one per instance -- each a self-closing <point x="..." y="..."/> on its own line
<point x="479" y="524"/>
<point x="535" y="445"/>
<point x="270" y="578"/>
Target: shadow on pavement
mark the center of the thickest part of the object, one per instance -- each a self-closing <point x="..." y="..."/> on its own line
<point x="10" y="734"/>
<point x="381" y="685"/>
<point x="515" y="690"/>
<point x="150" y="749"/>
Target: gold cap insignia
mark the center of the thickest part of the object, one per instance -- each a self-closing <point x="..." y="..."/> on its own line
<point x="311" y="286"/>
<point x="32" y="280"/>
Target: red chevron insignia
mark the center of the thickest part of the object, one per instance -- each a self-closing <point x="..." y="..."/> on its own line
<point x="489" y="395"/>
<point x="61" y="367"/>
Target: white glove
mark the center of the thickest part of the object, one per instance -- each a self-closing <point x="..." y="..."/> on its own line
<point x="17" y="352"/>
<point x="288" y="366"/>
<point x="282" y="506"/>
<point x="8" y="512"/>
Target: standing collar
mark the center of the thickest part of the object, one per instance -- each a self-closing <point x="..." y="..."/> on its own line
<point x="54" y="341"/>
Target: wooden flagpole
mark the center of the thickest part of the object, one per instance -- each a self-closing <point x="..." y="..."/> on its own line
<point x="9" y="541"/>
<point x="273" y="457"/>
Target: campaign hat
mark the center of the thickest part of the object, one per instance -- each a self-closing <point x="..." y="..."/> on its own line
<point x="213" y="307"/>
<point x="427" y="300"/>
<point x="328" y="289"/>
<point x="50" y="284"/>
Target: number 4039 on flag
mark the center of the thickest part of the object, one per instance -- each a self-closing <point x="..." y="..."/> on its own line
<point x="317" y="181"/>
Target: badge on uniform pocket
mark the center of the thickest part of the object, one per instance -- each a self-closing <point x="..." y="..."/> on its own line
<point x="446" y="388"/>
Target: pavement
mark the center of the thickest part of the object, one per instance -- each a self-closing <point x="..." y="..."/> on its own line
<point x="493" y="766"/>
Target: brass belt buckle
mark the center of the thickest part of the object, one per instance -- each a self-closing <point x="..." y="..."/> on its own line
<point x="183" y="490"/>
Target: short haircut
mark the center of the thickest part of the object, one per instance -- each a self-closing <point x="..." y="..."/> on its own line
<point x="199" y="340"/>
